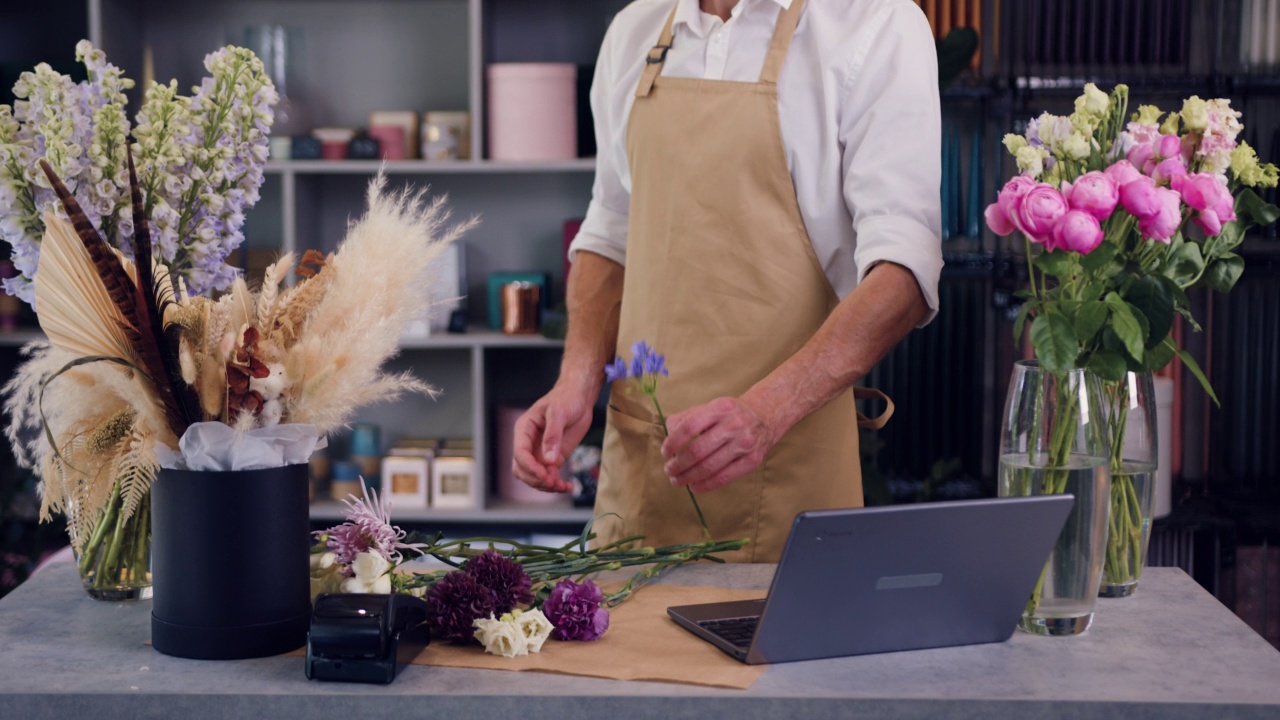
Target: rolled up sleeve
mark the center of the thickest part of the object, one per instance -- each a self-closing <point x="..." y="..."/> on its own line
<point x="604" y="229"/>
<point x="891" y="133"/>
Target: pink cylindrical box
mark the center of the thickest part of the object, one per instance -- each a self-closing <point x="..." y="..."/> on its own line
<point x="533" y="111"/>
<point x="511" y="488"/>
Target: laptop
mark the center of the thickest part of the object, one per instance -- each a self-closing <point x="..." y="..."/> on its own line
<point x="884" y="579"/>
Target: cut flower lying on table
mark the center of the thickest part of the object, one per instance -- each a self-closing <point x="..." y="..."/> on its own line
<point x="508" y="596"/>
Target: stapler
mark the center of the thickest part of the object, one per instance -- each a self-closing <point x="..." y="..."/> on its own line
<point x="359" y="637"/>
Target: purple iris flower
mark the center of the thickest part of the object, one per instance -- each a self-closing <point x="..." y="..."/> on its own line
<point x="616" y="370"/>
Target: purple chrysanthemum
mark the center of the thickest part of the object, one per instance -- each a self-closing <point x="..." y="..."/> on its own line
<point x="575" y="609"/>
<point x="454" y="602"/>
<point x="505" y="578"/>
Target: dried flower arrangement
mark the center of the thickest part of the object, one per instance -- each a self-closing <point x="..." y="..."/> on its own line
<point x="132" y="360"/>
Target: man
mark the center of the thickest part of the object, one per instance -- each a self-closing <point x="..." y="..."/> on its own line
<point x="768" y="186"/>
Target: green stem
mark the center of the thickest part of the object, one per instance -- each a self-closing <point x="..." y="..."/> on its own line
<point x="108" y="520"/>
<point x="706" y="531"/>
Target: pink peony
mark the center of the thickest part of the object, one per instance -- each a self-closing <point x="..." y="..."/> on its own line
<point x="1163" y="223"/>
<point x="1094" y="193"/>
<point x="1167" y="169"/>
<point x="1077" y="231"/>
<point x="1122" y="172"/>
<point x="1212" y="202"/>
<point x="999" y="223"/>
<point x="1142" y="157"/>
<point x="1039" y="210"/>
<point x="1011" y="195"/>
<point x="1168" y="146"/>
<point x="1139" y="197"/>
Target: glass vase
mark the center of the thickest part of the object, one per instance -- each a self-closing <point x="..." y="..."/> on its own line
<point x="1052" y="442"/>
<point x="1133" y="431"/>
<point x="115" y="562"/>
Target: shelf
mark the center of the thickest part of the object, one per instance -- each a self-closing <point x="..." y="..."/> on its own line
<point x="482" y="339"/>
<point x="428" y="167"/>
<point x="497" y="513"/>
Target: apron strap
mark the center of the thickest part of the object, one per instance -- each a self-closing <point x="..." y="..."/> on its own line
<point x="656" y="57"/>
<point x="783" y="31"/>
<point x="877" y="422"/>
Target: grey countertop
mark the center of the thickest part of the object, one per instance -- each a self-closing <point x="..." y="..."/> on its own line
<point x="1171" y="651"/>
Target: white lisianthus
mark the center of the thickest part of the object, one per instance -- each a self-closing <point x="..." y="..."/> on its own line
<point x="535" y="627"/>
<point x="326" y="574"/>
<point x="1147" y="115"/>
<point x="1013" y="143"/>
<point x="500" y="637"/>
<point x="1093" y="102"/>
<point x="1195" y="113"/>
<point x="1076" y="146"/>
<point x="371" y="575"/>
<point x="1031" y="160"/>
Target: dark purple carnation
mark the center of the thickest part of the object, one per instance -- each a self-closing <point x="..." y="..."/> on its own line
<point x="575" y="611"/>
<point x="454" y="602"/>
<point x="504" y="577"/>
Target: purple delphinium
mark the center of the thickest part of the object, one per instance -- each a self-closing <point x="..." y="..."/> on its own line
<point x="575" y="609"/>
<point x="504" y="577"/>
<point x="454" y="602"/>
<point x="616" y="370"/>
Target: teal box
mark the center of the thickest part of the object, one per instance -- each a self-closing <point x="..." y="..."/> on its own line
<point x="498" y="279"/>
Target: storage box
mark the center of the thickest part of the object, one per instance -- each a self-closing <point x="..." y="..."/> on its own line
<point x="453" y="482"/>
<point x="406" y="480"/>
<point x="446" y="135"/>
<point x="533" y="111"/>
<point x="406" y="120"/>
<point x="498" y="279"/>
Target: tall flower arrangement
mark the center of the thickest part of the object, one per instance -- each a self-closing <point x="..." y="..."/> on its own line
<point x="200" y="162"/>
<point x="1122" y="214"/>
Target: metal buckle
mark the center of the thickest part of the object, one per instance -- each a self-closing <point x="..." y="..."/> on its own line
<point x="662" y="54"/>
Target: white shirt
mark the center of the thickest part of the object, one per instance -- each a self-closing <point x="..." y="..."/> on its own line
<point x="860" y="118"/>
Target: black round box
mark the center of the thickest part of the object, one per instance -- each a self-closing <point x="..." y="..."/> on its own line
<point x="230" y="562"/>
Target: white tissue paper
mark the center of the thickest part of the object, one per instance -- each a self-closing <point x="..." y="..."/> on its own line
<point x="216" y="446"/>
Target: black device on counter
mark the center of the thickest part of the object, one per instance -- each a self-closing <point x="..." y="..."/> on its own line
<point x="364" y="637"/>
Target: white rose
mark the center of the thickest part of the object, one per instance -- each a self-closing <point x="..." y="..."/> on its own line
<point x="371" y="574"/>
<point x="501" y="638"/>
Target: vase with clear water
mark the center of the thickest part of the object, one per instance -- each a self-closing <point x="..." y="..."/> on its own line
<point x="1052" y="442"/>
<point x="1133" y="433"/>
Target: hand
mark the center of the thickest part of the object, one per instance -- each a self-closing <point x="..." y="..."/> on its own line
<point x="546" y="434"/>
<point x="712" y="445"/>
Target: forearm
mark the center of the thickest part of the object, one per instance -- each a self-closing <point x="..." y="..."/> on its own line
<point x="594" y="304"/>
<point x="884" y="307"/>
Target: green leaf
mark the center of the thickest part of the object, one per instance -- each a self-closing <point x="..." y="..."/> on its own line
<point x="1252" y="210"/>
<point x="1108" y="365"/>
<point x="1191" y="364"/>
<point x="1099" y="258"/>
<point x="1020" y="322"/>
<point x="1185" y="264"/>
<point x="1057" y="263"/>
<point x="1055" y="342"/>
<point x="1157" y="357"/>
<point x="1152" y="298"/>
<point x="1224" y="272"/>
<point x="1127" y="326"/>
<point x="1089" y="320"/>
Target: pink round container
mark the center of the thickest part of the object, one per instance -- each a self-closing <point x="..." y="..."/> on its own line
<point x="533" y="111"/>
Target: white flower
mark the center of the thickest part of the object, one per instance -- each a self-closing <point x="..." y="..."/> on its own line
<point x="1093" y="101"/>
<point x="535" y="627"/>
<point x="499" y="637"/>
<point x="371" y="574"/>
<point x="1031" y="160"/>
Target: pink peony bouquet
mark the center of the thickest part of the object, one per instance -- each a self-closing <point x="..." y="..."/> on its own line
<point x="1122" y="214"/>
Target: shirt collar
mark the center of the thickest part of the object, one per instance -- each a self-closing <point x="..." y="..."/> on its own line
<point x="689" y="13"/>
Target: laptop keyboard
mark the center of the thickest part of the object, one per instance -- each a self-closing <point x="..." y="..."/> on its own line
<point x="738" y="631"/>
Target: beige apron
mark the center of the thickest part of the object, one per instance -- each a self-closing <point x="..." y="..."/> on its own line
<point x="722" y="279"/>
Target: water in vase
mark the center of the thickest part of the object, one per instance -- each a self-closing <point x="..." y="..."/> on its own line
<point x="1062" y="602"/>
<point x="1130" y="528"/>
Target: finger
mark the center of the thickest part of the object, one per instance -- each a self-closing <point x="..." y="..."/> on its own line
<point x="705" y="467"/>
<point x="552" y="433"/>
<point x="734" y="470"/>
<point x="685" y="426"/>
<point x="527" y="467"/>
<point x="697" y="453"/>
